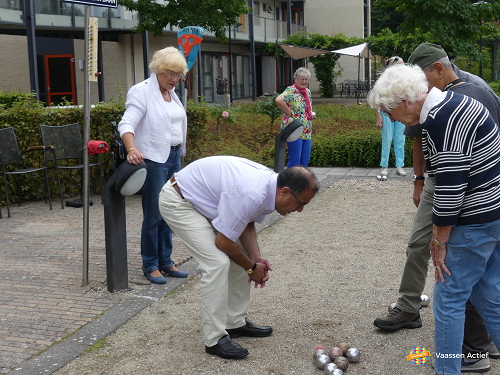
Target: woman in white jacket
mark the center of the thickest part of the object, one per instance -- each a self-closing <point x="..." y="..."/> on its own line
<point x="153" y="130"/>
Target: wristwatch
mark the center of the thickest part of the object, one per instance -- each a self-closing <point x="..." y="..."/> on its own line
<point x="417" y="178"/>
<point x="250" y="270"/>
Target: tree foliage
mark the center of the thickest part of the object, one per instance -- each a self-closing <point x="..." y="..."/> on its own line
<point x="454" y="24"/>
<point x="385" y="18"/>
<point x="387" y="43"/>
<point x="213" y="15"/>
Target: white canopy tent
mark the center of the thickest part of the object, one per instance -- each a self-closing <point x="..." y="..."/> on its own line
<point x="359" y="51"/>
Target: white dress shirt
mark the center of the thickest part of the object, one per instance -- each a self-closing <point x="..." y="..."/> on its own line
<point x="229" y="191"/>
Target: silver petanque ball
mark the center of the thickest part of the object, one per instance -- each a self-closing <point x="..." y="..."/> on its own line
<point x="391" y="307"/>
<point x="330" y="368"/>
<point x="319" y="350"/>
<point x="338" y="372"/>
<point x="353" y="355"/>
<point x="424" y="300"/>
<point x="321" y="361"/>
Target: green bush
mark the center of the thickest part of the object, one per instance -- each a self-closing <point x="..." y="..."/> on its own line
<point x="27" y="116"/>
<point x="358" y="148"/>
<point x="8" y="98"/>
<point x="197" y="117"/>
<point x="266" y="105"/>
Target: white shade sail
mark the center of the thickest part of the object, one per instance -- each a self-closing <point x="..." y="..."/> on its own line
<point x="296" y="52"/>
<point x="361" y="50"/>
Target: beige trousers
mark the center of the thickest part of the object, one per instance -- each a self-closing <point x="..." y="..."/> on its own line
<point x="225" y="291"/>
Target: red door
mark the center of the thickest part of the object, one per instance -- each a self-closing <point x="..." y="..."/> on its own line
<point x="60" y="78"/>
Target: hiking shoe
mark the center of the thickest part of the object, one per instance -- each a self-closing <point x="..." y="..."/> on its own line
<point x="384" y="172"/>
<point x="400" y="171"/>
<point x="481" y="365"/>
<point x="398" y="319"/>
<point x="493" y="351"/>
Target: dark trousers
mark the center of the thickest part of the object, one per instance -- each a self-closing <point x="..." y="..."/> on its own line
<point x="476" y="338"/>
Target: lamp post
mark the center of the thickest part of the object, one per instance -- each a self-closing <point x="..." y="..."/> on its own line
<point x="480" y="38"/>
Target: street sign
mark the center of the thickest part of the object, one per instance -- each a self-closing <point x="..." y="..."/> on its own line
<point x="97" y="3"/>
<point x="189" y="39"/>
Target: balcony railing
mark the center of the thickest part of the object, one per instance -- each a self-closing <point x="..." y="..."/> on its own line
<point x="11" y="11"/>
<point x="59" y="14"/>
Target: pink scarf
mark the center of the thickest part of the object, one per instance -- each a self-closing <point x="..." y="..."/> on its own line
<point x="306" y="98"/>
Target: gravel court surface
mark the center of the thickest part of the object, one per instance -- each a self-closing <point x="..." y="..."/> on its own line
<point x="337" y="266"/>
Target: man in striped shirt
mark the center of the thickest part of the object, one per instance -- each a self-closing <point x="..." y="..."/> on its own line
<point x="461" y="144"/>
<point x="440" y="73"/>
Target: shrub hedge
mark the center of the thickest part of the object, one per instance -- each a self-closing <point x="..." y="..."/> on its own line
<point x="342" y="137"/>
<point x="26" y="116"/>
<point x="358" y="148"/>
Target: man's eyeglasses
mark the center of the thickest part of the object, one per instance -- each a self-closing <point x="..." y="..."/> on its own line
<point x="300" y="204"/>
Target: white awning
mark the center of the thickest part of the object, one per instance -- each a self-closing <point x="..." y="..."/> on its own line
<point x="361" y="50"/>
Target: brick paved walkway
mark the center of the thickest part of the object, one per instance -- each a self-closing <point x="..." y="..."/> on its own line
<point x="41" y="295"/>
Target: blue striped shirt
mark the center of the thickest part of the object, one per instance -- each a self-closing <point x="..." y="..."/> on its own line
<point x="461" y="145"/>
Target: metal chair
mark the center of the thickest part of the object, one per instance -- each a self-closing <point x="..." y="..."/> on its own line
<point x="66" y="140"/>
<point x="345" y="88"/>
<point x="9" y="154"/>
<point x="353" y="88"/>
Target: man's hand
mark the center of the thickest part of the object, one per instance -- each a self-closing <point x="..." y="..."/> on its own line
<point x="438" y="253"/>
<point x="266" y="268"/>
<point x="417" y="191"/>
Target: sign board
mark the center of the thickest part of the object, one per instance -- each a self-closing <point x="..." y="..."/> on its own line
<point x="97" y="3"/>
<point x="189" y="39"/>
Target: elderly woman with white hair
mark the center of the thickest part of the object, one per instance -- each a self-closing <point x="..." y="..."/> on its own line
<point x="461" y="145"/>
<point x="295" y="102"/>
<point x="390" y="131"/>
<point x="153" y="130"/>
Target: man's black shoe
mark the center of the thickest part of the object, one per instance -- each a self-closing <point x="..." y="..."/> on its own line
<point x="398" y="319"/>
<point x="251" y="330"/>
<point x="227" y="349"/>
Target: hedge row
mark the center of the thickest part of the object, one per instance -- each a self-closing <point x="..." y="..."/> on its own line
<point x="354" y="148"/>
